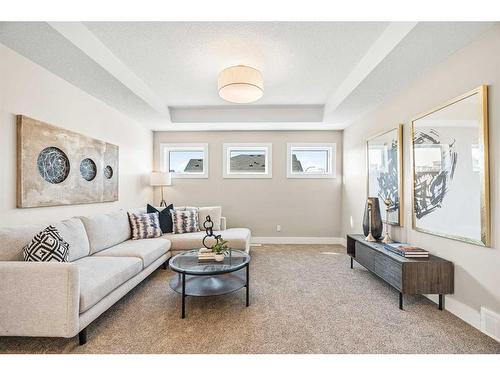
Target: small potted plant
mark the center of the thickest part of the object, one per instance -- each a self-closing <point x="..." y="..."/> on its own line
<point x="220" y="249"/>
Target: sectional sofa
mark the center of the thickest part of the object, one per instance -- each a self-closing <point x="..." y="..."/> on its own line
<point x="61" y="299"/>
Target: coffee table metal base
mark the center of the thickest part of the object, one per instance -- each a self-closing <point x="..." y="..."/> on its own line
<point x="214" y="285"/>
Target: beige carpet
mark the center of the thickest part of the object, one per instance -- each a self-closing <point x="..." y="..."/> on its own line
<point x="302" y="301"/>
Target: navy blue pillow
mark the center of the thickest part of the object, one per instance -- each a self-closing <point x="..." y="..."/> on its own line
<point x="165" y="217"/>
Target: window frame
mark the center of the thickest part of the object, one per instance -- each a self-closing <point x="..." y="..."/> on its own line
<point x="228" y="147"/>
<point x="165" y="160"/>
<point x="332" y="159"/>
<point x="430" y="146"/>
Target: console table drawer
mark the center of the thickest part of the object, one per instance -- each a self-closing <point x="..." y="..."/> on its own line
<point x="389" y="270"/>
<point x="365" y="256"/>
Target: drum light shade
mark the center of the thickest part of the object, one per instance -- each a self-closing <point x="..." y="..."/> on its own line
<point x="161" y="179"/>
<point x="240" y="84"/>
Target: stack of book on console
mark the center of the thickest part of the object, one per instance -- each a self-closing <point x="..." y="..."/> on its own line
<point x="206" y="255"/>
<point x="406" y="250"/>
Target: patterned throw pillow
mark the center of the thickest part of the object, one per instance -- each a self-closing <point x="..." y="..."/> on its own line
<point x="164" y="216"/>
<point x="185" y="221"/>
<point x="47" y="246"/>
<point x="144" y="226"/>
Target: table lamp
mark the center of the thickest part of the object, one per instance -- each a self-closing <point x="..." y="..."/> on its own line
<point x="161" y="179"/>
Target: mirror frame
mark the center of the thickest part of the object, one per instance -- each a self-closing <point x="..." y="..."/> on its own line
<point x="399" y="130"/>
<point x="483" y="141"/>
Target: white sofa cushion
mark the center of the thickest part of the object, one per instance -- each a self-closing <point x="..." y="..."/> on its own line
<point x="238" y="238"/>
<point x="215" y="214"/>
<point x="106" y="230"/>
<point x="73" y="232"/>
<point x="99" y="276"/>
<point x="147" y="250"/>
<point x="12" y="240"/>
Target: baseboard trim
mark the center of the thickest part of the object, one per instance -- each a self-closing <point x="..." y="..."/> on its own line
<point x="460" y="310"/>
<point x="299" y="240"/>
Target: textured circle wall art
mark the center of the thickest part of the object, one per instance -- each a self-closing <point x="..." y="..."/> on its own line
<point x="60" y="167"/>
<point x="108" y="172"/>
<point x="53" y="165"/>
<point x="88" y="169"/>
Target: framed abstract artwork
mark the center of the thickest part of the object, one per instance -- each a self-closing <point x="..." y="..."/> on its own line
<point x="59" y="167"/>
<point x="451" y="169"/>
<point x="384" y="181"/>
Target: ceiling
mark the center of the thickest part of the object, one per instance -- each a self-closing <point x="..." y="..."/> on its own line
<point x="317" y="75"/>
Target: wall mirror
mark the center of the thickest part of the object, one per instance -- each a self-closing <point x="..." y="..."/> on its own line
<point x="384" y="162"/>
<point x="450" y="169"/>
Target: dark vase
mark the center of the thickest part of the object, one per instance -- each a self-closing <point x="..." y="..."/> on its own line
<point x="376" y="219"/>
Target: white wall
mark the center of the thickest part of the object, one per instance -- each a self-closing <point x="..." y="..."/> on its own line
<point x="26" y="88"/>
<point x="303" y="207"/>
<point x="477" y="276"/>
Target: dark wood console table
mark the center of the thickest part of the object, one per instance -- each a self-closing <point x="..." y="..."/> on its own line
<point x="431" y="275"/>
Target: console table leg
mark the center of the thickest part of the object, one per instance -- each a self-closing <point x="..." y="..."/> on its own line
<point x="400" y="301"/>
<point x="351" y="263"/>
<point x="441" y="301"/>
<point x="183" y="295"/>
<point x="248" y="286"/>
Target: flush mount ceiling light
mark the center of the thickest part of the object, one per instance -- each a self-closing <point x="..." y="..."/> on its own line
<point x="240" y="84"/>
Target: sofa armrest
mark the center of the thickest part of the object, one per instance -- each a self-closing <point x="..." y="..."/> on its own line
<point x="39" y="299"/>
<point x="223" y="223"/>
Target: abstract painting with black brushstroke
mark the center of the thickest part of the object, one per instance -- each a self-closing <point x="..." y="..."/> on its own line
<point x="384" y="173"/>
<point x="449" y="176"/>
<point x="434" y="172"/>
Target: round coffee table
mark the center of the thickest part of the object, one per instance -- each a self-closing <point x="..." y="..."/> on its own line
<point x="197" y="279"/>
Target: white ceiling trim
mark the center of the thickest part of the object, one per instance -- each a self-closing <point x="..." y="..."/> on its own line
<point x="270" y="126"/>
<point x="388" y="40"/>
<point x="86" y="41"/>
<point x="241" y="114"/>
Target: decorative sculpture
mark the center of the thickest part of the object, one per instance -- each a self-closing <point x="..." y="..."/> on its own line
<point x="208" y="225"/>
<point x="389" y="204"/>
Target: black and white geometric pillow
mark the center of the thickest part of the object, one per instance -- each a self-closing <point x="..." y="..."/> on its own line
<point x="145" y="225"/>
<point x="47" y="246"/>
<point x="185" y="221"/>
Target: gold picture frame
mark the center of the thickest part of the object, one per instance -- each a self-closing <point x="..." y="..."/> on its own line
<point x="477" y="99"/>
<point x="398" y="137"/>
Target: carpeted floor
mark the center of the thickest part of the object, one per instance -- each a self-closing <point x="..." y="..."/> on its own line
<point x="303" y="300"/>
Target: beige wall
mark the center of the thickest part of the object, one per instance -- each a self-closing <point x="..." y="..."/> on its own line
<point x="477" y="276"/>
<point x="26" y="88"/>
<point x="303" y="207"/>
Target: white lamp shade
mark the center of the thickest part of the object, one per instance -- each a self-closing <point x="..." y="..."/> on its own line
<point x="240" y="84"/>
<point x="161" y="179"/>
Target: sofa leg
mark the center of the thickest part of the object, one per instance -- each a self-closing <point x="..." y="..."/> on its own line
<point x="82" y="336"/>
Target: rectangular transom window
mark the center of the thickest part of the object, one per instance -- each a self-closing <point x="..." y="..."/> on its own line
<point x="247" y="160"/>
<point x="185" y="160"/>
<point x="311" y="160"/>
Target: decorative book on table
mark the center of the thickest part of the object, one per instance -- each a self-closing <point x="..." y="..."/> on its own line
<point x="206" y="255"/>
<point x="407" y="250"/>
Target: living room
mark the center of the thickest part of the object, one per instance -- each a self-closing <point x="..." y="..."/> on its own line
<point x="295" y="186"/>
